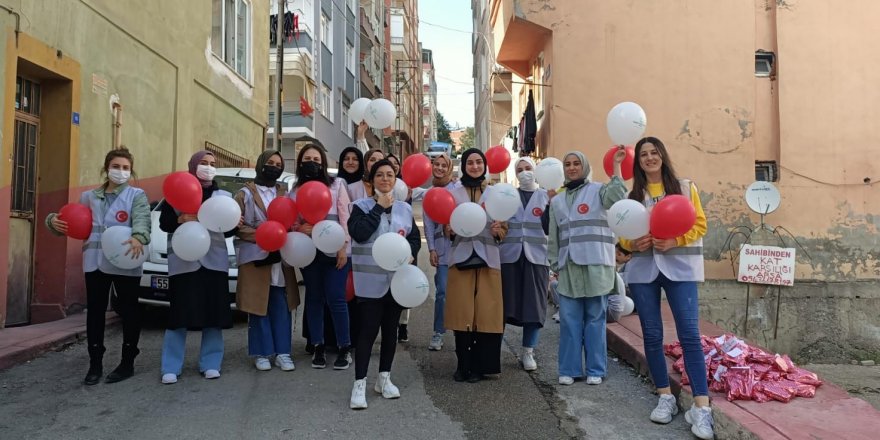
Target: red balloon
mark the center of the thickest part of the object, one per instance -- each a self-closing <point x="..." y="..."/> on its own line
<point x="282" y="210"/>
<point x="626" y="167"/>
<point x="416" y="170"/>
<point x="79" y="220"/>
<point x="439" y="204"/>
<point x="672" y="217"/>
<point x="183" y="191"/>
<point x="271" y="236"/>
<point x="349" y="287"/>
<point x="497" y="159"/>
<point x="313" y="201"/>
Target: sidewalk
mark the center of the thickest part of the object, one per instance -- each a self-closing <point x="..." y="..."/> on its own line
<point x="21" y="344"/>
<point x="831" y="414"/>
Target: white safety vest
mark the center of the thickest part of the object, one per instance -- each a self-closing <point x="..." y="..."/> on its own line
<point x="246" y="251"/>
<point x="434" y="233"/>
<point x="217" y="257"/>
<point x="525" y="232"/>
<point x="370" y="280"/>
<point x="104" y="216"/>
<point x="584" y="235"/>
<point x="484" y="244"/>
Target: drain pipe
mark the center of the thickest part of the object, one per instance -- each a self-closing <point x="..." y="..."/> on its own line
<point x="117" y="125"/>
<point x="17" y="21"/>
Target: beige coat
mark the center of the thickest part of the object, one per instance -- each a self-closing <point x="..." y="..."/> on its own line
<point x="252" y="293"/>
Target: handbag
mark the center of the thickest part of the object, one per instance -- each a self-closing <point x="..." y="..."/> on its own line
<point x="473" y="262"/>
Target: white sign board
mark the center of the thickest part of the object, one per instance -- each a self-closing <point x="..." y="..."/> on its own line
<point x="766" y="265"/>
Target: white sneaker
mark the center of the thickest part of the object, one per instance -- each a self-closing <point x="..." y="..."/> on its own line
<point x="566" y="380"/>
<point x="284" y="362"/>
<point x="666" y="408"/>
<point x="169" y="378"/>
<point x="436" y="342"/>
<point x="556" y="317"/>
<point x="384" y="386"/>
<point x="359" y="395"/>
<point x="528" y="360"/>
<point x="212" y="374"/>
<point x="593" y="380"/>
<point x="701" y="422"/>
<point x="262" y="364"/>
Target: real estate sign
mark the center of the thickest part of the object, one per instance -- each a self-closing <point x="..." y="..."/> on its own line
<point x="766" y="265"/>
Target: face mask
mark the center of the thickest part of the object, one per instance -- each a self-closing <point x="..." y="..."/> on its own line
<point x="118" y="176"/>
<point x="206" y="172"/>
<point x="312" y="170"/>
<point x="271" y="173"/>
<point x="527" y="180"/>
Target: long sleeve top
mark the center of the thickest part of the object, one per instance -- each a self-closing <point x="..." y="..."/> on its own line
<point x="141" y="223"/>
<point x="656" y="191"/>
<point x="362" y="225"/>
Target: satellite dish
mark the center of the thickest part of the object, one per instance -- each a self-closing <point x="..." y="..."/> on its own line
<point x="762" y="197"/>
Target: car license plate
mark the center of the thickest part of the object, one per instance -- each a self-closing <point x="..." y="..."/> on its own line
<point x="159" y="282"/>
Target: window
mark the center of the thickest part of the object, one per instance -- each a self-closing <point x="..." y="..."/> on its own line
<point x="349" y="57"/>
<point x="346" y="122"/>
<point x="231" y="34"/>
<point x="766" y="171"/>
<point x="327" y="32"/>
<point x="327" y="102"/>
<point x="764" y="62"/>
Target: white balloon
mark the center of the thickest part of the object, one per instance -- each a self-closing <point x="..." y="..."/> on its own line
<point x="328" y="236"/>
<point x="468" y="219"/>
<point x="620" y="285"/>
<point x="502" y="201"/>
<point x="409" y="286"/>
<point x="299" y="250"/>
<point x="400" y="191"/>
<point x="628" y="306"/>
<point x="391" y="251"/>
<point x="549" y="173"/>
<point x="356" y="109"/>
<point x="629" y="219"/>
<point x="626" y="123"/>
<point x="191" y="241"/>
<point x="220" y="214"/>
<point x="114" y="250"/>
<point x="380" y="113"/>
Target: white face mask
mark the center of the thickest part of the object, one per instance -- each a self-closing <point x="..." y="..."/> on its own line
<point x="527" y="180"/>
<point x="118" y="176"/>
<point x="206" y="172"/>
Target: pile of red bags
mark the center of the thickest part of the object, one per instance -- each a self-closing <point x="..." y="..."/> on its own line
<point x="748" y="373"/>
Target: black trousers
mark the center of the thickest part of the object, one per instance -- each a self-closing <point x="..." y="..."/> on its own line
<point x="373" y="314"/>
<point x="98" y="294"/>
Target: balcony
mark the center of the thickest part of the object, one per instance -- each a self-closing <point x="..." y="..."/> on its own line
<point x="517" y="41"/>
<point x="292" y="121"/>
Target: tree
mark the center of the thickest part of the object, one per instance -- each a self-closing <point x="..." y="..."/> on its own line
<point x="467" y="139"/>
<point x="443" y="129"/>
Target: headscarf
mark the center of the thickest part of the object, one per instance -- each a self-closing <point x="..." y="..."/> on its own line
<point x="194" y="166"/>
<point x="466" y="179"/>
<point x="359" y="173"/>
<point x="585" y="177"/>
<point x="399" y="163"/>
<point x="533" y="185"/>
<point x="261" y="179"/>
<point x="443" y="181"/>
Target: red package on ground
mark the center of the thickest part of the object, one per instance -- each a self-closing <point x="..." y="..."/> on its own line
<point x="684" y="378"/>
<point x="775" y="391"/>
<point x="740" y="381"/>
<point x="790" y="385"/>
<point x="772" y="376"/>
<point x="759" y="396"/>
<point x="678" y="365"/>
<point x="760" y="370"/>
<point x="718" y="386"/>
<point x="760" y="356"/>
<point x="805" y="390"/>
<point x="783" y="363"/>
<point x="804" y="376"/>
<point x="673" y="349"/>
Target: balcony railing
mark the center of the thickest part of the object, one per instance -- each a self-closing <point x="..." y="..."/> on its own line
<point x="397" y="40"/>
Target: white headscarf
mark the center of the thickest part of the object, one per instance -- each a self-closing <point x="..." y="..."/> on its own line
<point x="526" y="178"/>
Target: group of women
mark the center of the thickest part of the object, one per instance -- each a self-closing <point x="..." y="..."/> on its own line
<point x="498" y="277"/>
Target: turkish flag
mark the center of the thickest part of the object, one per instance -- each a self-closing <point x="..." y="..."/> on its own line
<point x="304" y="107"/>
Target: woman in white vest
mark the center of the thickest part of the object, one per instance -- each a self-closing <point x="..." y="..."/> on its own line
<point x="676" y="266"/>
<point x="438" y="246"/>
<point x="581" y="251"/>
<point x="114" y="203"/>
<point x="267" y="289"/>
<point x="377" y="309"/>
<point x="325" y="277"/>
<point x="474" y="308"/>
<point x="525" y="271"/>
<point x="198" y="289"/>
<point x="363" y="188"/>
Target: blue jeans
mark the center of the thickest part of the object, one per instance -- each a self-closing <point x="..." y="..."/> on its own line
<point x="582" y="334"/>
<point x="440" y="298"/>
<point x="682" y="299"/>
<point x="271" y="334"/>
<point x="325" y="284"/>
<point x="174" y="347"/>
<point x="530" y="334"/>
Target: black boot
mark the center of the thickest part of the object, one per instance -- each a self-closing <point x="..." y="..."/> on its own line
<point x="318" y="359"/>
<point x="96" y="366"/>
<point x="402" y="333"/>
<point x="126" y="365"/>
<point x="463" y="355"/>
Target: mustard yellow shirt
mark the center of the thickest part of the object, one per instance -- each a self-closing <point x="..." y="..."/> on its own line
<point x="657" y="192"/>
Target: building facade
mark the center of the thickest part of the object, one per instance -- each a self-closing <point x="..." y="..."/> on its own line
<point x="429" y="98"/>
<point x="171" y="77"/>
<point x="406" y="76"/>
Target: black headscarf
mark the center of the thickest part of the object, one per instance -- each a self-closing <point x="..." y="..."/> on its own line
<point x="355" y="176"/>
<point x="466" y="178"/>
<point x="260" y="168"/>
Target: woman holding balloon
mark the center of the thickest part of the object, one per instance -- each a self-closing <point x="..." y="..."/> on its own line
<point x="267" y="287"/>
<point x="474" y="308"/>
<point x="114" y="204"/>
<point x="438" y="247"/>
<point x="670" y="258"/>
<point x="197" y="287"/>
<point x="363" y="188"/>
<point x="581" y="252"/>
<point x="371" y="218"/>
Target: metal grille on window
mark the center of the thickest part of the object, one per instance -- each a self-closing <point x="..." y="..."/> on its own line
<point x="226" y="158"/>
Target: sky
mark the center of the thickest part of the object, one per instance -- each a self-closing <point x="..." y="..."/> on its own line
<point x="453" y="59"/>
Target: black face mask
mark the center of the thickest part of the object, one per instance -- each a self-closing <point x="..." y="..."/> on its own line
<point x="271" y="173"/>
<point x="311" y="170"/>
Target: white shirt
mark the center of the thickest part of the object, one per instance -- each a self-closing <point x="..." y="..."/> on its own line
<point x="267" y="194"/>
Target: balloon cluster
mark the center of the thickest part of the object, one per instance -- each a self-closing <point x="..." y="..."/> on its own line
<point x="409" y="285"/>
<point x="671" y="217"/>
<point x="377" y="113"/>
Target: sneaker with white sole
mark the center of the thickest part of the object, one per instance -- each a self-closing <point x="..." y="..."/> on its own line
<point x="436" y="342"/>
<point x="384" y="386"/>
<point x="593" y="380"/>
<point x="262" y="363"/>
<point x="666" y="408"/>
<point x="212" y="374"/>
<point x="566" y="380"/>
<point x="359" y="395"/>
<point x="343" y="360"/>
<point x="169" y="378"/>
<point x="556" y="317"/>
<point x="284" y="362"/>
<point x="701" y="422"/>
<point x="528" y="360"/>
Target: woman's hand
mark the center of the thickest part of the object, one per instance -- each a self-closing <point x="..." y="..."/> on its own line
<point x="59" y="225"/>
<point x="183" y="218"/>
<point x="341" y="258"/>
<point x="551" y="193"/>
<point x="664" y="245"/>
<point x="305" y="228"/>
<point x="644" y="243"/>
<point x="496" y="229"/>
<point x="385" y="200"/>
<point x="435" y="259"/>
<point x="136" y="248"/>
<point x="447" y="230"/>
<point x="362" y="130"/>
<point x="619" y="156"/>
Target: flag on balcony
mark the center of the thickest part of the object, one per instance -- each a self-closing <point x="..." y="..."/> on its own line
<point x="304" y="108"/>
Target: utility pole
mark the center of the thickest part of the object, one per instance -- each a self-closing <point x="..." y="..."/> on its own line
<point x="279" y="71"/>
